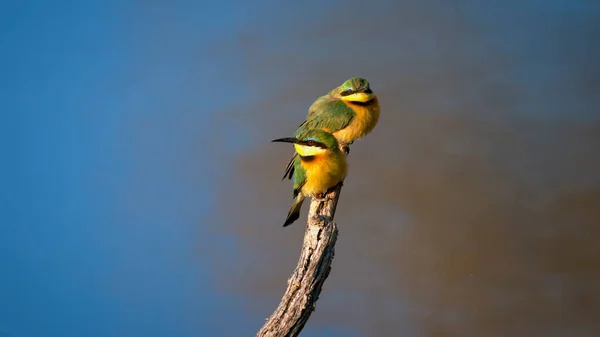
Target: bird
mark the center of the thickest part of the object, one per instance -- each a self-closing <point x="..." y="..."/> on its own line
<point x="349" y="112"/>
<point x="319" y="166"/>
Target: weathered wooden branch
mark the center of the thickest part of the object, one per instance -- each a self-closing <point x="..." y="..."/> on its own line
<point x="304" y="286"/>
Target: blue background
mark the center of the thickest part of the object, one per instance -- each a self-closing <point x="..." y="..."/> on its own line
<point x="122" y="124"/>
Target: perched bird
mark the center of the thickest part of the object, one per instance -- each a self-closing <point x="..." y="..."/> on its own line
<point x="318" y="166"/>
<point x="349" y="112"/>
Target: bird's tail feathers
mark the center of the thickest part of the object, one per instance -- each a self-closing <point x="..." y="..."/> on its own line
<point x="294" y="212"/>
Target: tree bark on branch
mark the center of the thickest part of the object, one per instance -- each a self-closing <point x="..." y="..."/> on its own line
<point x="304" y="286"/>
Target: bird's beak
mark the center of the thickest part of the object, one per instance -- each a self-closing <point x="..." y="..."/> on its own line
<point x="286" y="140"/>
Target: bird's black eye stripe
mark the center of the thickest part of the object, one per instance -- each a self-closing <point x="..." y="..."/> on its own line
<point x="368" y="91"/>
<point x="347" y="92"/>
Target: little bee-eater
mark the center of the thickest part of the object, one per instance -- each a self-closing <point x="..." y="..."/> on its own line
<point x="349" y="112"/>
<point x="318" y="166"/>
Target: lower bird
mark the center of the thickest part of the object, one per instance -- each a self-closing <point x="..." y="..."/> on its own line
<point x="319" y="166"/>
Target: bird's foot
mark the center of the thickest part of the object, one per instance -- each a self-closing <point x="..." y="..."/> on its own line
<point x="320" y="196"/>
<point x="346" y="149"/>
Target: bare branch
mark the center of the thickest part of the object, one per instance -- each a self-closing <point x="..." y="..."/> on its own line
<point x="304" y="286"/>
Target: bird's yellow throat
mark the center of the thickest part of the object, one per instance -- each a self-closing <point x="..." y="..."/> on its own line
<point x="304" y="150"/>
<point x="359" y="97"/>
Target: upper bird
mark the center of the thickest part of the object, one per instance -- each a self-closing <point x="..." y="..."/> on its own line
<point x="319" y="166"/>
<point x="349" y="112"/>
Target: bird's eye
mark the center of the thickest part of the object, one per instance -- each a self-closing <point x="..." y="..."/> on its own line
<point x="347" y="92"/>
<point x="310" y="143"/>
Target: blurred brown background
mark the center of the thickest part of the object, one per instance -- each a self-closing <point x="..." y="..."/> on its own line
<point x="473" y="209"/>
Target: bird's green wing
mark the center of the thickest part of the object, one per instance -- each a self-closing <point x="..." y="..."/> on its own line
<point x="299" y="175"/>
<point x="327" y="113"/>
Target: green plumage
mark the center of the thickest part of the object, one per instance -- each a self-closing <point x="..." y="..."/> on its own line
<point x="327" y="113"/>
<point x="330" y="113"/>
<point x="299" y="175"/>
<point x="322" y="141"/>
<point x="335" y="120"/>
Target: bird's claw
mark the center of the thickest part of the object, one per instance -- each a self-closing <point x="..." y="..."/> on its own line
<point x="320" y="196"/>
<point x="346" y="149"/>
<point x="323" y="196"/>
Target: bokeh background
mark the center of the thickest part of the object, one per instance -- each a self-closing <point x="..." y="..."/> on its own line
<point x="140" y="195"/>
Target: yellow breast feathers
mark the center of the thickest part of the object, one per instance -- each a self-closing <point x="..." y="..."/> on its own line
<point x="365" y="120"/>
<point x="323" y="171"/>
